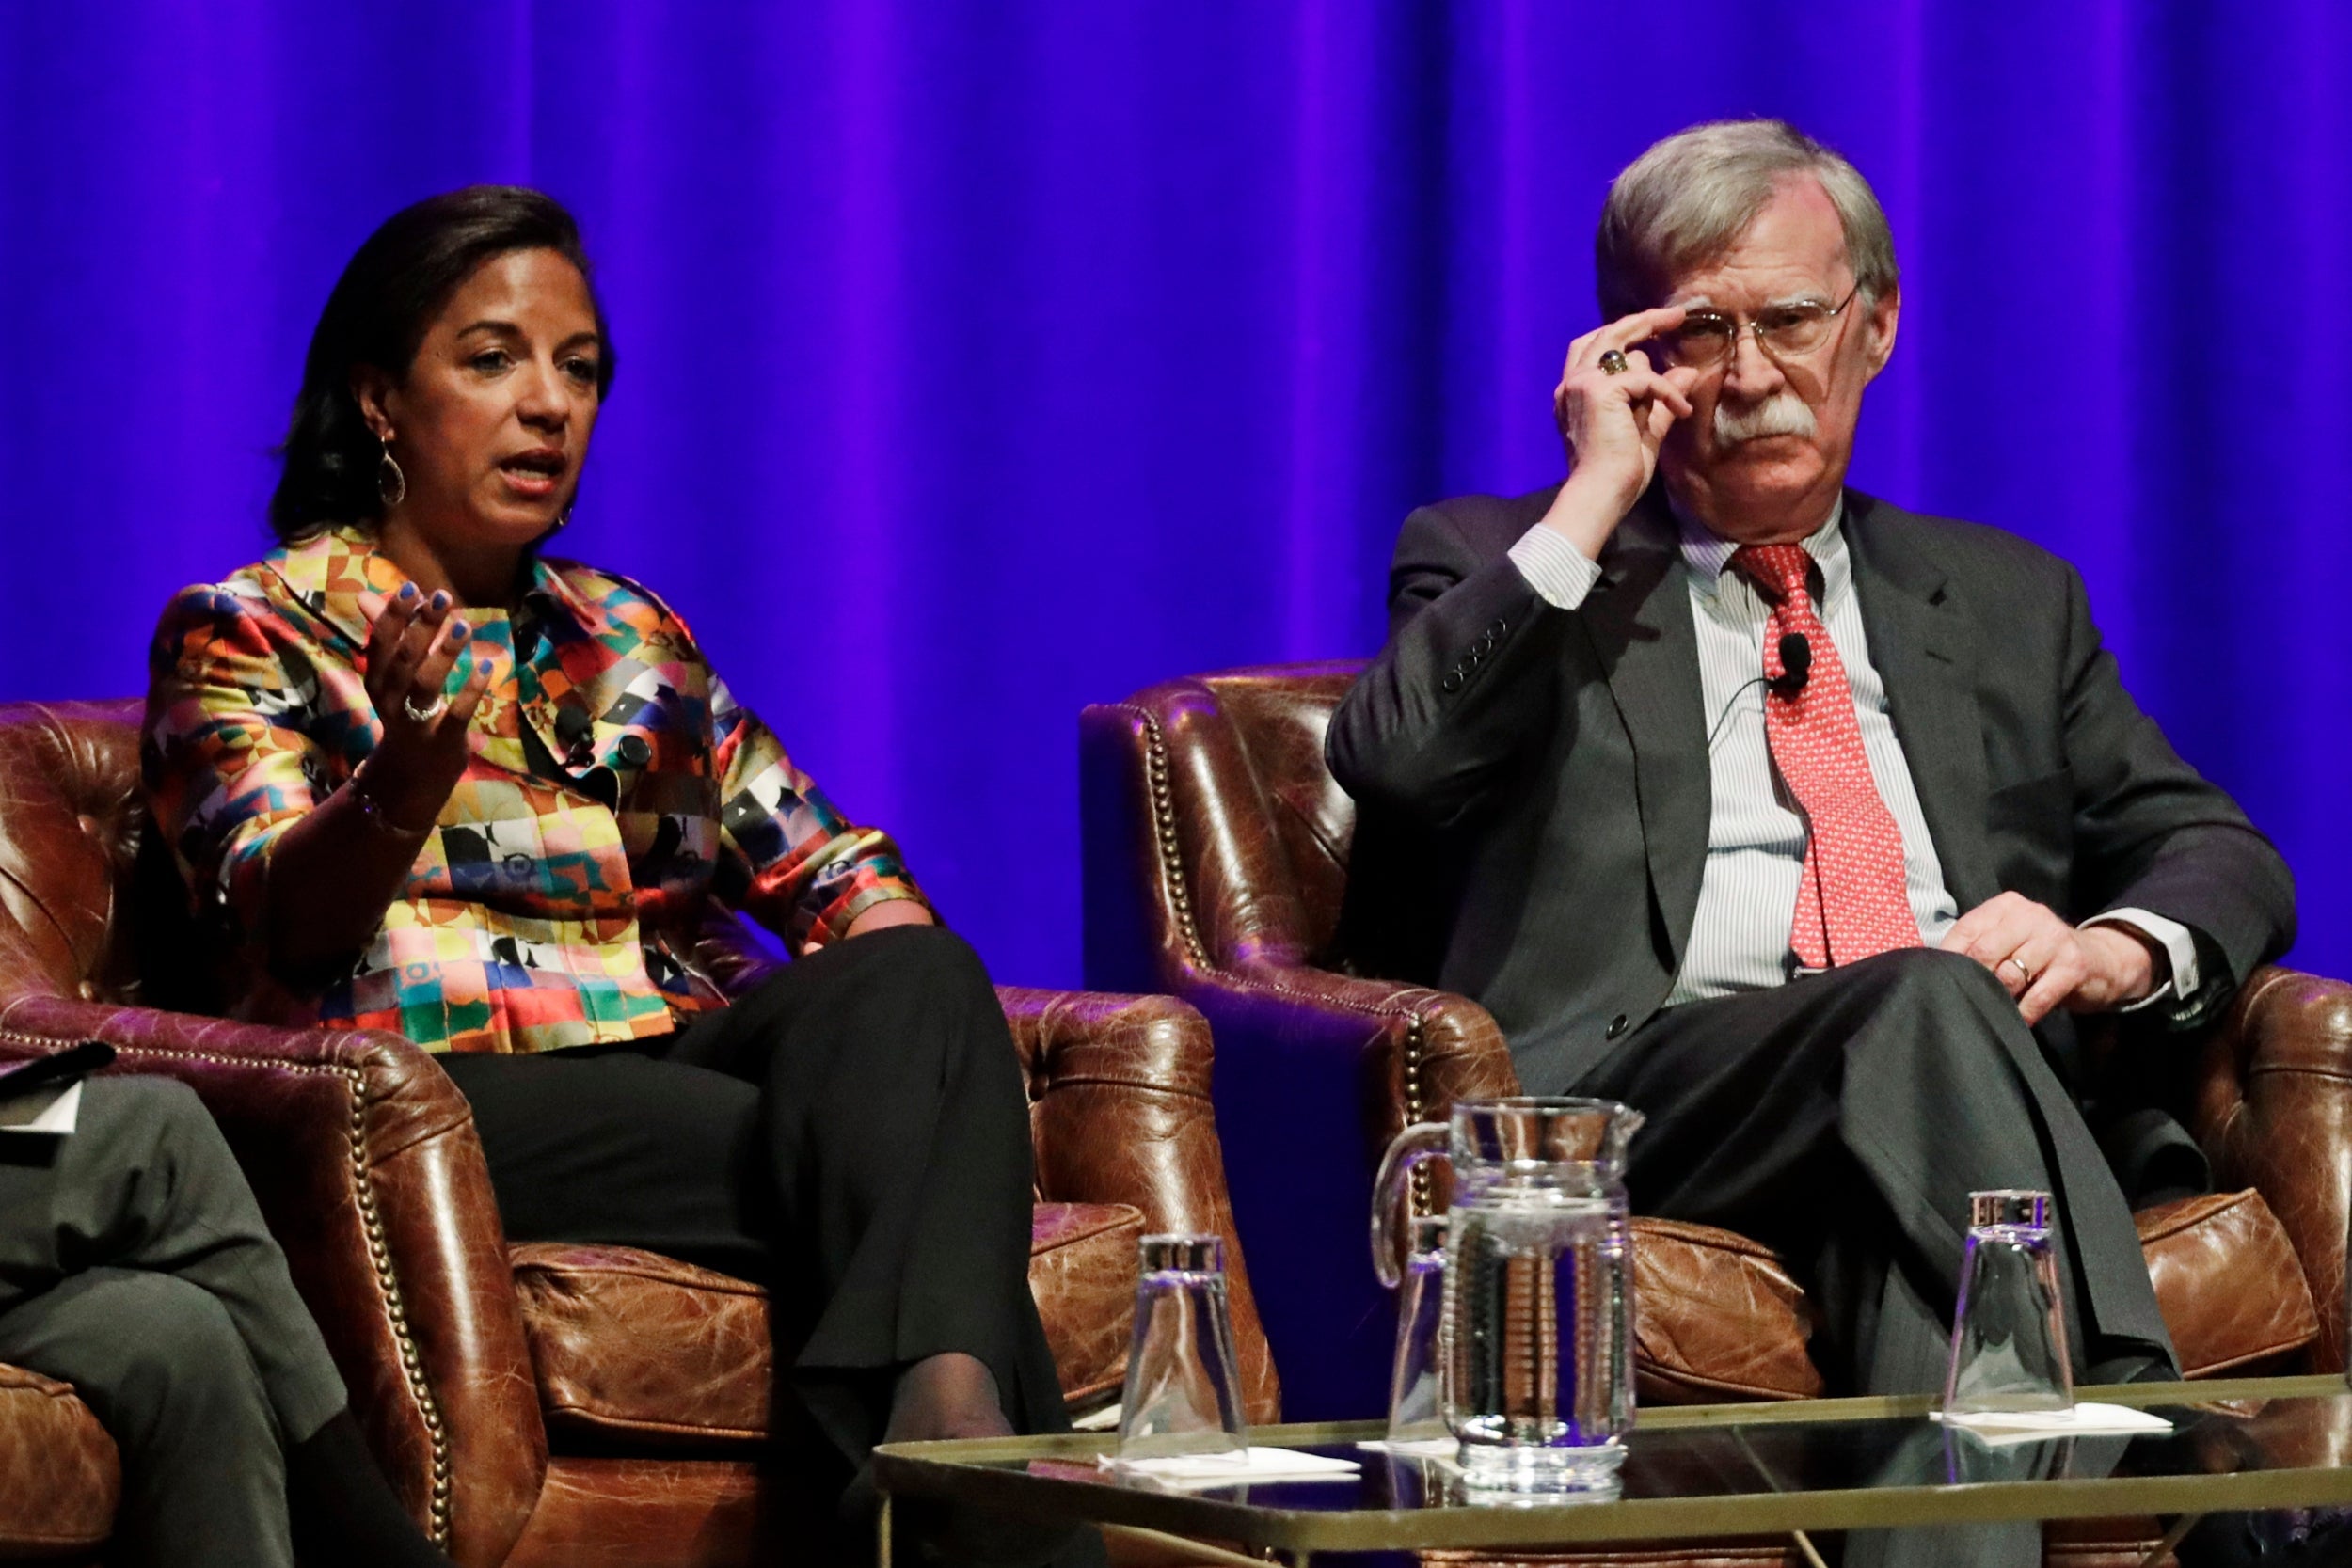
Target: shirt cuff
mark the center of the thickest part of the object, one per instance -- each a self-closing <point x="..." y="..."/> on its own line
<point x="2179" y="944"/>
<point x="1559" y="573"/>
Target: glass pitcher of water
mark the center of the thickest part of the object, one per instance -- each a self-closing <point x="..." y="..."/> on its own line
<point x="1536" y="1334"/>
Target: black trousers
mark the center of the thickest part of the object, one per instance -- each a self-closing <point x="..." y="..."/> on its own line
<point x="134" y="1265"/>
<point x="1844" y="1118"/>
<point x="854" y="1134"/>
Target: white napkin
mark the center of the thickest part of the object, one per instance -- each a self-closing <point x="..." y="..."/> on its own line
<point x="42" y="1111"/>
<point x="2036" y="1426"/>
<point x="1200" y="1471"/>
<point x="1414" y="1448"/>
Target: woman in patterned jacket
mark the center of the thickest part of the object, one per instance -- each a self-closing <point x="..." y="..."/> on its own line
<point x="419" y="776"/>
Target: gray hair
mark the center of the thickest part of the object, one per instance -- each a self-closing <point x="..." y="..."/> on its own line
<point x="1687" y="200"/>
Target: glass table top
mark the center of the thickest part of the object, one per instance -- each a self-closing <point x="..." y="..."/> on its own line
<point x="1719" y="1471"/>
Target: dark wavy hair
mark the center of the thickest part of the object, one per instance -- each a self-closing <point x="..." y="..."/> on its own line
<point x="389" y="291"/>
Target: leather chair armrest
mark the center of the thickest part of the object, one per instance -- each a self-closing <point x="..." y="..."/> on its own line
<point x="363" y="1156"/>
<point x="1316" y="1072"/>
<point x="1119" y="1091"/>
<point x="2274" y="1112"/>
<point x="1423" y="1049"/>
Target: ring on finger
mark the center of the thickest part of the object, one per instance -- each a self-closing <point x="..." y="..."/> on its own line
<point x="428" y="713"/>
<point x="1612" y="362"/>
<point x="2019" y="964"/>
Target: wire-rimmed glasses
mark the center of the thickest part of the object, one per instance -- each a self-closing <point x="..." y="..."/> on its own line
<point x="1789" y="330"/>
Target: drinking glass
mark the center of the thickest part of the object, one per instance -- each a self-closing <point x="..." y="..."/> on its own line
<point x="1414" y="1415"/>
<point x="1183" y="1393"/>
<point x="2008" y="1328"/>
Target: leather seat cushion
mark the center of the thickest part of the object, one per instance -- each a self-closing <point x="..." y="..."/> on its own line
<point x="1718" y="1316"/>
<point x="641" y="1351"/>
<point x="1081" y="1270"/>
<point x="60" y="1477"/>
<point x="2232" y="1289"/>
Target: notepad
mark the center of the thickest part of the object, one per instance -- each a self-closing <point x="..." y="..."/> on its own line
<point x="2036" y="1426"/>
<point x="1186" y="1472"/>
<point x="1415" y="1448"/>
<point x="53" y="1111"/>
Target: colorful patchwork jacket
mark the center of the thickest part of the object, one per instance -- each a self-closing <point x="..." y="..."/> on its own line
<point x="552" y="906"/>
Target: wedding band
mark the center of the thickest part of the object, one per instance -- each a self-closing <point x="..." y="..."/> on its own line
<point x="1612" y="362"/>
<point x="423" y="715"/>
<point x="2023" y="973"/>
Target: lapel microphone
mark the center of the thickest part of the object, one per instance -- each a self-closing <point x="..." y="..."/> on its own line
<point x="1796" y="665"/>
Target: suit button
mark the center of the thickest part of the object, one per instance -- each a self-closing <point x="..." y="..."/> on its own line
<point x="1486" y="644"/>
<point x="635" y="750"/>
<point x="1616" y="1026"/>
<point x="1452" y="681"/>
<point x="1497" y="630"/>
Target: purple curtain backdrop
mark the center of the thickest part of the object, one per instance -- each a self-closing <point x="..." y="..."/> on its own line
<point x="981" y="359"/>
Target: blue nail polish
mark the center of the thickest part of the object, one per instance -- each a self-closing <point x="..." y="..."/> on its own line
<point x="407" y="591"/>
<point x="481" y="666"/>
<point x="440" y="598"/>
<point x="458" y="628"/>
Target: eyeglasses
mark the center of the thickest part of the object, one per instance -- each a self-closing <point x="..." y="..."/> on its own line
<point x="1709" y="339"/>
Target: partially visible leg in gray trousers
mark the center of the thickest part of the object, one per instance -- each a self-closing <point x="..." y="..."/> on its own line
<point x="134" y="1264"/>
<point x="1844" y="1119"/>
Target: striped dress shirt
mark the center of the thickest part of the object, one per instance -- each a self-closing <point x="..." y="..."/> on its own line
<point x="1755" y="837"/>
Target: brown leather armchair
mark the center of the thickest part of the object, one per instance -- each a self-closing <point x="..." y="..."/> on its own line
<point x="1216" y="857"/>
<point x="533" y="1404"/>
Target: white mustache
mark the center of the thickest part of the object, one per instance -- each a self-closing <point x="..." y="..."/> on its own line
<point x="1782" y="414"/>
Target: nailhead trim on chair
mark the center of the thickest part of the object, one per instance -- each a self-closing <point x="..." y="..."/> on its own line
<point x="1164" y="819"/>
<point x="379" y="1251"/>
<point x="1180" y="896"/>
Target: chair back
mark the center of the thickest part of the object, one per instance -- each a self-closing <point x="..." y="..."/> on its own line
<point x="72" y="827"/>
<point x="1215" y="835"/>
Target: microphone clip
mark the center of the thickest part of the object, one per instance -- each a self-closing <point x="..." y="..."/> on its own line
<point x="1796" y="666"/>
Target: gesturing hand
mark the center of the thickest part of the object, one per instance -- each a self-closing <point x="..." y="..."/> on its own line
<point x="1612" y="424"/>
<point x="411" y="649"/>
<point x="2045" y="963"/>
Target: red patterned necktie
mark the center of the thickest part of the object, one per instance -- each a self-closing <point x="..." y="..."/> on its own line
<point x="1851" y="902"/>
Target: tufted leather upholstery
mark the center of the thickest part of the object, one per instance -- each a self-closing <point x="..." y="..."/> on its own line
<point x="545" y="1404"/>
<point x="1217" y="849"/>
<point x="59" y="1476"/>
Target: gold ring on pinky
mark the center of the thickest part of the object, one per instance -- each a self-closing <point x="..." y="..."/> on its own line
<point x="423" y="715"/>
<point x="1612" y="362"/>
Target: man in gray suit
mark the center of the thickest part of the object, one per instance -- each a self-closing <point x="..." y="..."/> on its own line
<point x="1801" y="822"/>
<point x="134" y="1264"/>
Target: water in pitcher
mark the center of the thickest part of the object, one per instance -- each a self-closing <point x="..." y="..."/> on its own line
<point x="1536" y="1338"/>
<point x="1539" y="1302"/>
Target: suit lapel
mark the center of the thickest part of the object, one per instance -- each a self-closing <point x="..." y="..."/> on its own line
<point x="1923" y="651"/>
<point x="1639" y="621"/>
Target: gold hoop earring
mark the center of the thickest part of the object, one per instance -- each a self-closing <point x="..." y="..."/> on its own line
<point x="391" y="486"/>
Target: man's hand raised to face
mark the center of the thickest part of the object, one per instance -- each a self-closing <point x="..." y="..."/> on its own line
<point x="2045" y="963"/>
<point x="1612" y="423"/>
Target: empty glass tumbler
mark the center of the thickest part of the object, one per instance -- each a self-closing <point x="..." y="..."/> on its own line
<point x="1183" y="1394"/>
<point x="1536" y="1330"/>
<point x="2008" y="1328"/>
<point x="1414" y="1415"/>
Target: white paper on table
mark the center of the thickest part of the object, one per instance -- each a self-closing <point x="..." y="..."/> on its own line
<point x="1999" y="1427"/>
<point x="54" y="1111"/>
<point x="1189" y="1471"/>
<point x="1415" y="1448"/>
